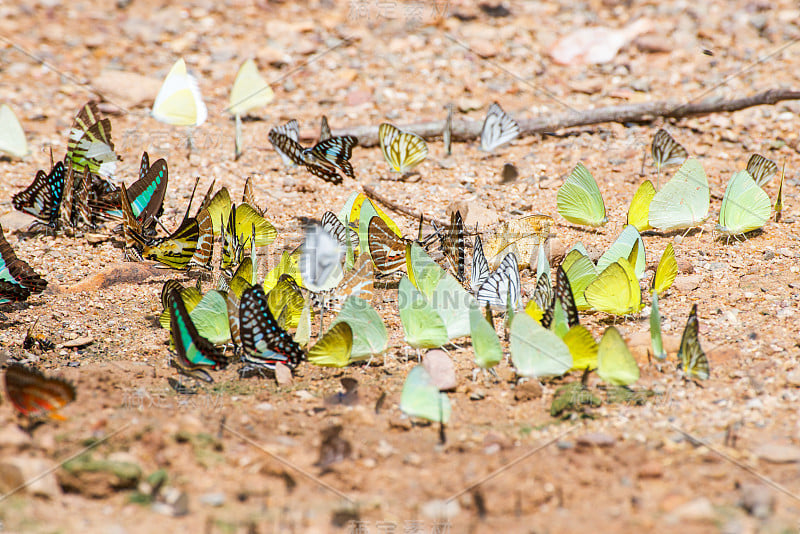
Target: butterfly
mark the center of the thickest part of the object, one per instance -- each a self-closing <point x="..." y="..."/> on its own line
<point x="324" y="130"/>
<point x="693" y="360"/>
<point x="615" y="363"/>
<point x="331" y="223"/>
<point x="12" y="137"/>
<point x="421" y="397"/>
<point x="623" y="247"/>
<point x="656" y="340"/>
<point x="286" y="299"/>
<point x="582" y="347"/>
<point x="616" y="290"/>
<point x="321" y="259"/>
<point x="291" y="130"/>
<point x="33" y="394"/>
<point x="75" y="208"/>
<point x="639" y="210"/>
<point x="761" y="169"/>
<point x="146" y="194"/>
<point x="334" y="348"/>
<point x="451" y="242"/>
<point x="502" y="287"/>
<point x="179" y="102"/>
<point x="683" y="201"/>
<point x="325" y="159"/>
<point x="447" y="132"/>
<point x="779" y="198"/>
<point x="579" y="200"/>
<point x="387" y="249"/>
<point x="581" y="272"/>
<point x="402" y="150"/>
<point x="562" y="295"/>
<point x="264" y="342"/>
<point x="89" y="144"/>
<point x="520" y="236"/>
<point x="32" y="337"/>
<point x="666" y="271"/>
<point x="244" y="222"/>
<point x="498" y="128"/>
<point x="745" y="206"/>
<point x="249" y="90"/>
<point x="422" y="325"/>
<point x="232" y="304"/>
<point x="42" y="198"/>
<point x="666" y="151"/>
<point x="488" y="351"/>
<point x="18" y="280"/>
<point x="480" y="267"/>
<point x="370" y="337"/>
<point x="537" y="351"/>
<point x="194" y="353"/>
<point x="359" y="282"/>
<point x="132" y="228"/>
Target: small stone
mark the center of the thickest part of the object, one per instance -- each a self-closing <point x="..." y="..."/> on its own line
<point x="529" y="390"/>
<point x="96" y="239"/>
<point x="440" y="510"/>
<point x="440" y="367"/>
<point x="401" y="422"/>
<point x="174" y="503"/>
<point x="686" y="284"/>
<point x="565" y="445"/>
<point x="78" y="342"/>
<point x="768" y="255"/>
<point x="650" y="470"/>
<point x="557" y="251"/>
<point x="17" y="470"/>
<point x="283" y="375"/>
<point x="793" y="379"/>
<point x="477" y="395"/>
<point x="12" y="436"/>
<point x="412" y="458"/>
<point x="596" y="439"/>
<point x="215" y="499"/>
<point x="699" y="509"/>
<point x="778" y="453"/>
<point x="264" y="407"/>
<point x="757" y="499"/>
<point x="303" y="394"/>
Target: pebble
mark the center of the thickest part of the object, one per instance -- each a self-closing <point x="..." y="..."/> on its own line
<point x="175" y="503"/>
<point x="401" y="422"/>
<point x="686" y="284"/>
<point x="778" y="453"/>
<point x="529" y="390"/>
<point x="597" y="439"/>
<point x="17" y="470"/>
<point x="78" y="342"/>
<point x="793" y="379"/>
<point x="440" y="367"/>
<point x="757" y="500"/>
<point x="213" y="499"/>
<point x="439" y="510"/>
<point x="283" y="375"/>
<point x="651" y="470"/>
<point x="699" y="509"/>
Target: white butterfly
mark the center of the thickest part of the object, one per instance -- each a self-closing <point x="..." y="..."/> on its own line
<point x="12" y="138"/>
<point x="502" y="285"/>
<point x="179" y="102"/>
<point x="480" y="267"/>
<point x="498" y="128"/>
<point x="321" y="259"/>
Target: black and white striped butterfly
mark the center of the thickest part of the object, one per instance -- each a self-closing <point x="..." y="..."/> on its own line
<point x="562" y="295"/>
<point x="451" y="241"/>
<point x="666" y="151"/>
<point x="498" y="128"/>
<point x="264" y="342"/>
<point x="480" y="267"/>
<point x="693" y="360"/>
<point x="291" y="130"/>
<point x="502" y="289"/>
<point x="334" y="226"/>
<point x="324" y="159"/>
<point x="761" y="169"/>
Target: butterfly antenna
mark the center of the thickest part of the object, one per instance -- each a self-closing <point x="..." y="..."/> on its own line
<point x="191" y="198"/>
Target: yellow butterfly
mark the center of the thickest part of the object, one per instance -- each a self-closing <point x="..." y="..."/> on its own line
<point x="335" y="347"/>
<point x="639" y="210"/>
<point x="616" y="290"/>
<point x="666" y="271"/>
<point x="402" y="150"/>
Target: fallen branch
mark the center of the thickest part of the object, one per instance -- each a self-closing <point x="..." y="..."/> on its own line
<point x="394" y="206"/>
<point x="467" y="130"/>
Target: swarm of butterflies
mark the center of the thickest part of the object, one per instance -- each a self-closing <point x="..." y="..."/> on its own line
<point x="265" y="323"/>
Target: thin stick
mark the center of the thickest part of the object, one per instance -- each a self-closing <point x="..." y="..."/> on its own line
<point x="467" y="130"/>
<point x="394" y="206"/>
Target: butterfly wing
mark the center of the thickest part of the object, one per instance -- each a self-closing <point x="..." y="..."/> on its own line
<point x="284" y="140"/>
<point x="334" y="348"/>
<point x="639" y="210"/>
<point x="402" y="150"/>
<point x="666" y="271"/>
<point x="579" y="200"/>
<point x="761" y="169"/>
<point x="498" y="128"/>
<point x="666" y="150"/>
<point x="387" y="249"/>
<point x="264" y="342"/>
<point x="33" y="394"/>
<point x="691" y="357"/>
<point x="502" y="285"/>
<point x="480" y="267"/>
<point x="745" y="206"/>
<point x="42" y="198"/>
<point x="683" y="201"/>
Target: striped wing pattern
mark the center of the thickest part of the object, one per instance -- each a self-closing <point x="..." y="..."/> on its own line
<point x="480" y="267"/>
<point x="402" y="150"/>
<point x="331" y="223"/>
<point x="264" y="342"/>
<point x="290" y="130"/>
<point x="18" y="280"/>
<point x="502" y="284"/>
<point x="452" y="243"/>
<point x="666" y="150"/>
<point x="387" y="249"/>
<point x="691" y="357"/>
<point x="33" y="394"/>
<point x="761" y="169"/>
<point x="498" y="128"/>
